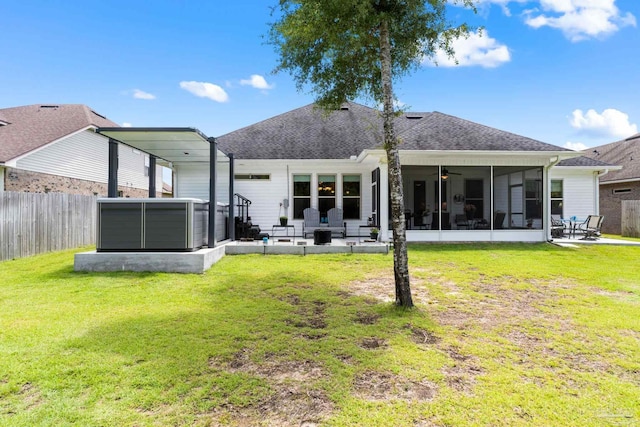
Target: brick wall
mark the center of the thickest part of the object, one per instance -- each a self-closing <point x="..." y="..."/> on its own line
<point x="611" y="204"/>
<point x="35" y="182"/>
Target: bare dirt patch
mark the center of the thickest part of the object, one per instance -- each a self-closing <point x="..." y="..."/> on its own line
<point x="380" y="288"/>
<point x="293" y="400"/>
<point x="421" y="336"/>
<point x="373" y="343"/>
<point x="31" y="396"/>
<point x="366" y="318"/>
<point x="310" y="316"/>
<point x="382" y="386"/>
<point x="271" y="368"/>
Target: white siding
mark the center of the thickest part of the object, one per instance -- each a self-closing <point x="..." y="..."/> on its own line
<point x="579" y="191"/>
<point x="2" y="179"/>
<point x="266" y="196"/>
<point x="192" y="180"/>
<point x="131" y="168"/>
<point x="85" y="155"/>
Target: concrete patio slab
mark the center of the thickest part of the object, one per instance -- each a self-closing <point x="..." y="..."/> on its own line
<point x="201" y="260"/>
<point x="167" y="262"/>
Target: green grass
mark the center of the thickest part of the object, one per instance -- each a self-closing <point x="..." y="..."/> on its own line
<point x="512" y="334"/>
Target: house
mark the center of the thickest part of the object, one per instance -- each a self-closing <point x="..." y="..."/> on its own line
<point x="621" y="184"/>
<point x="462" y="181"/>
<point x="54" y="148"/>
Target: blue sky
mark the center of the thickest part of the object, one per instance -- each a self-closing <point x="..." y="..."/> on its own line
<point x="560" y="71"/>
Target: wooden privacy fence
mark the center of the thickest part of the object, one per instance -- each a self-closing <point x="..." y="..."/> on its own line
<point x="34" y="223"/>
<point x="631" y="218"/>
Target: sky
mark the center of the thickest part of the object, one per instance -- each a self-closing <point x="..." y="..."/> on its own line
<point x="560" y="71"/>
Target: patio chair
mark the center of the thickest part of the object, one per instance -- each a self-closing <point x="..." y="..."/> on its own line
<point x="462" y="222"/>
<point x="311" y="221"/>
<point x="498" y="220"/>
<point x="591" y="227"/>
<point x="407" y="219"/>
<point x="422" y="221"/>
<point x="557" y="227"/>
<point x="336" y="224"/>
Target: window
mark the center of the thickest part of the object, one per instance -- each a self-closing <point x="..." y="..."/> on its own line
<point x="301" y="195"/>
<point x="351" y="196"/>
<point x="252" y="176"/>
<point x="556" y="198"/>
<point x="146" y="165"/>
<point x="326" y="195"/>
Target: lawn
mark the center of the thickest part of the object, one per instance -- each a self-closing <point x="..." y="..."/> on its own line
<point x="509" y="334"/>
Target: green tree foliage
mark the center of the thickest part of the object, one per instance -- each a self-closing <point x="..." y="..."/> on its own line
<point x="347" y="49"/>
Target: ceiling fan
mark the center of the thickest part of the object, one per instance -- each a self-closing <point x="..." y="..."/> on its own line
<point x="445" y="174"/>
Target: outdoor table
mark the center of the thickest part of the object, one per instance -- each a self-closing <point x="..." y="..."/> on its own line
<point x="283" y="228"/>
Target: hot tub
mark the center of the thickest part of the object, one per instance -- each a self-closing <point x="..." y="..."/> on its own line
<point x="151" y="225"/>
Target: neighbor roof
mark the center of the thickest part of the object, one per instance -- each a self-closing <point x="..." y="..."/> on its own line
<point x="309" y="133"/>
<point x="625" y="153"/>
<point x="33" y="126"/>
<point x="584" y="162"/>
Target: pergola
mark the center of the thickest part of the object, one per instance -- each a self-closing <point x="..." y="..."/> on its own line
<point x="169" y="147"/>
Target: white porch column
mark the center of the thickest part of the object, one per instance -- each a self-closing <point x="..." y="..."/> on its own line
<point x="546" y="212"/>
<point x="383" y="215"/>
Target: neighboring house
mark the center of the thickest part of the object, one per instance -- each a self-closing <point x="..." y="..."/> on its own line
<point x="304" y="158"/>
<point x="54" y="148"/>
<point x="167" y="190"/>
<point x="618" y="185"/>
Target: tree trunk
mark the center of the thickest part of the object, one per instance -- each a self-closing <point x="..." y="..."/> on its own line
<point x="400" y="257"/>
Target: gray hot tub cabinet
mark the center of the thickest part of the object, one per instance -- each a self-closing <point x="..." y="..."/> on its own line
<point x="151" y="225"/>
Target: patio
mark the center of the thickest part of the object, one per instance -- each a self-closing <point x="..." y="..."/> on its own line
<point x="302" y="246"/>
<point x="201" y="260"/>
<point x="572" y="242"/>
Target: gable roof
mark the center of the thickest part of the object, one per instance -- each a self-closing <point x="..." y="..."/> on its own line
<point x="309" y="133"/>
<point x="33" y="126"/>
<point x="625" y="153"/>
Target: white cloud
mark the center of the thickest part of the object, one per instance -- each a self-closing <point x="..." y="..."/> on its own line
<point x="257" y="81"/>
<point x="580" y="19"/>
<point x="502" y="3"/>
<point x="205" y="90"/>
<point x="140" y="94"/>
<point x="477" y="49"/>
<point x="127" y="125"/>
<point x="610" y="123"/>
<point x="576" y="146"/>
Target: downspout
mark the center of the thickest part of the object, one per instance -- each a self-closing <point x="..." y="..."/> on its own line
<point x="547" y="199"/>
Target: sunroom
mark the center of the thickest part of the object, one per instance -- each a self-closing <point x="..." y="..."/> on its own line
<point x="475" y="196"/>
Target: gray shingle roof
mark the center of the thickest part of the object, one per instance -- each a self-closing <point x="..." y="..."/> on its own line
<point x="308" y="133"/>
<point x="33" y="126"/>
<point x="625" y="153"/>
<point x="583" y="161"/>
<point x="438" y="131"/>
